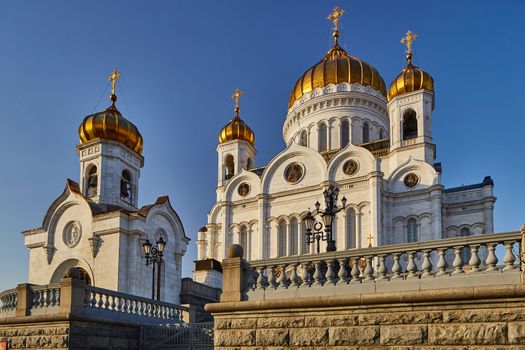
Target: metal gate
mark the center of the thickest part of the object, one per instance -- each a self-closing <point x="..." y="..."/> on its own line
<point x="190" y="336"/>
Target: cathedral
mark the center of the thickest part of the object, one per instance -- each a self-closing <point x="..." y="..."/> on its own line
<point x="96" y="225"/>
<point x="344" y="128"/>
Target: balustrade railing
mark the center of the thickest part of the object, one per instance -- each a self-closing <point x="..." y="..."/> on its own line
<point x="46" y="296"/>
<point x="98" y="300"/>
<point x="471" y="256"/>
<point x="8" y="301"/>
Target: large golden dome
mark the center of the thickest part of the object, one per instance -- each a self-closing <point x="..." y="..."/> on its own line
<point x="335" y="68"/>
<point x="410" y="79"/>
<point x="236" y="129"/>
<point x="111" y="125"/>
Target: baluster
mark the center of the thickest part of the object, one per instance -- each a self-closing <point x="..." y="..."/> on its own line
<point x="100" y="302"/>
<point x="45" y="298"/>
<point x="294" y="278"/>
<point x="411" y="266"/>
<point x="509" y="257"/>
<point x="342" y="274"/>
<point x="260" y="279"/>
<point x="442" y="262"/>
<point x="330" y="273"/>
<point x="396" y="267"/>
<point x="368" y="273"/>
<point x="113" y="304"/>
<point x="355" y="271"/>
<point x="283" y="279"/>
<point x="106" y="301"/>
<point x="382" y="270"/>
<point x="272" y="283"/>
<point x="474" y="259"/>
<point x="318" y="278"/>
<point x="458" y="262"/>
<point x="305" y="276"/>
<point x="426" y="266"/>
<point x="492" y="260"/>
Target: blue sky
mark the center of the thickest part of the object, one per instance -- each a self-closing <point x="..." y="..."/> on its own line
<point x="181" y="61"/>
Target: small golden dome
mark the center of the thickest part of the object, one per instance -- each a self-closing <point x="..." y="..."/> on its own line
<point x="335" y="68"/>
<point x="111" y="125"/>
<point x="236" y="129"/>
<point x="410" y="79"/>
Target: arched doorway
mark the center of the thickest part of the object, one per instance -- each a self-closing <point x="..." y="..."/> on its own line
<point x="83" y="267"/>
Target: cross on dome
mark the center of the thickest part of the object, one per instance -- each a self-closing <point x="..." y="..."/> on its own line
<point x="408" y="40"/>
<point x="113" y="78"/>
<point x="236" y="97"/>
<point x="334" y="18"/>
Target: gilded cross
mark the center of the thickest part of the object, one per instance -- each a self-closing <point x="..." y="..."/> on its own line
<point x="408" y="40"/>
<point x="370" y="238"/>
<point x="236" y="96"/>
<point x="113" y="78"/>
<point x="334" y="17"/>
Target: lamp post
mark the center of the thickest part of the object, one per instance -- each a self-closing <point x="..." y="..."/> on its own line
<point x="154" y="256"/>
<point x="314" y="229"/>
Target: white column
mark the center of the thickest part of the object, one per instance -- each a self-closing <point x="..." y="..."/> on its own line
<point x="435" y="203"/>
<point x="375" y="203"/>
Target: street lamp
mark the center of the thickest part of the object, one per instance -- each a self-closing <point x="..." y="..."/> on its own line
<point x="314" y="229"/>
<point x="154" y="256"/>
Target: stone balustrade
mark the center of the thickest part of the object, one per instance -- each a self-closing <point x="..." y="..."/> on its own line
<point x="445" y="263"/>
<point x="73" y="297"/>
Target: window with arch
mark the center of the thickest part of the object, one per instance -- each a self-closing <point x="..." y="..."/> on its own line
<point x="304" y="245"/>
<point x="249" y="164"/>
<point x="92" y="182"/>
<point x="411" y="230"/>
<point x="304" y="138"/>
<point x="282" y="238"/>
<point x="366" y="132"/>
<point x="323" y="138"/>
<point x="465" y="251"/>
<point x="293" y="236"/>
<point x="381" y="133"/>
<point x="409" y="125"/>
<point x="345" y="133"/>
<point x="229" y="166"/>
<point x="243" y="240"/>
<point x="125" y="187"/>
<point x="350" y="229"/>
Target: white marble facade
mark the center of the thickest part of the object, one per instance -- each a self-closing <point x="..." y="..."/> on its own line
<point x="392" y="184"/>
<point x="92" y="227"/>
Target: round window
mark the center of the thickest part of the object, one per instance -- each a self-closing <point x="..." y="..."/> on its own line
<point x="72" y="234"/>
<point x="350" y="167"/>
<point x="293" y="173"/>
<point x="243" y="190"/>
<point x="411" y="180"/>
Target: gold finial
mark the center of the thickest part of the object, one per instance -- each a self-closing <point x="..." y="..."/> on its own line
<point x="334" y="17"/>
<point x="408" y="40"/>
<point x="236" y="96"/>
<point x="113" y="78"/>
<point x="370" y="238"/>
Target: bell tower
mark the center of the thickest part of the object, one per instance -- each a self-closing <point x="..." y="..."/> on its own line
<point x="110" y="153"/>
<point x="236" y="149"/>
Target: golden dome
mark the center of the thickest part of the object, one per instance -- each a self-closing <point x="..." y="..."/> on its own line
<point x="236" y="129"/>
<point x="335" y="68"/>
<point x="111" y="125"/>
<point x="410" y="79"/>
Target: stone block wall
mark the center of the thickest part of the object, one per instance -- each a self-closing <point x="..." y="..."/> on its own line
<point x="487" y="325"/>
<point x="74" y="335"/>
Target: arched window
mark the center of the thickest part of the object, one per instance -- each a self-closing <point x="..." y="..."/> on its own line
<point x="304" y="245"/>
<point x="350" y="229"/>
<point x="228" y="167"/>
<point x="381" y="133"/>
<point x="465" y="252"/>
<point x="282" y="238"/>
<point x="304" y="138"/>
<point x="293" y="236"/>
<point x="409" y="125"/>
<point x="412" y="230"/>
<point x="345" y="133"/>
<point x="92" y="182"/>
<point x="366" y="132"/>
<point x="243" y="240"/>
<point x="323" y="143"/>
<point x="125" y="187"/>
<point x="249" y="164"/>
